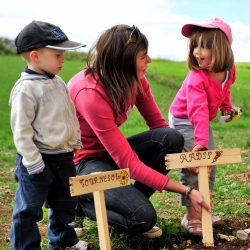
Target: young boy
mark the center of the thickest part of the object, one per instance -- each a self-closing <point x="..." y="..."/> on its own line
<point x="46" y="132"/>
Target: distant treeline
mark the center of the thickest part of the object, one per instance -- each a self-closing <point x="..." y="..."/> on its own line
<point x="7" y="47"/>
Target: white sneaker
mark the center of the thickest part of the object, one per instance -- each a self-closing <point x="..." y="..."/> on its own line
<point x="80" y="245"/>
<point x="154" y="232"/>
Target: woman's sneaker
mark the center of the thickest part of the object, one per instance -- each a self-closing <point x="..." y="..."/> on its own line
<point x="77" y="222"/>
<point x="80" y="245"/>
<point x="154" y="232"/>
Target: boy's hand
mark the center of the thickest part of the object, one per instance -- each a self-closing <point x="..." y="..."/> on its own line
<point x="39" y="171"/>
<point x="76" y="152"/>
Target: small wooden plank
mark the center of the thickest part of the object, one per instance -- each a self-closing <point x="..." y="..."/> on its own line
<point x="102" y="222"/>
<point x="206" y="219"/>
<point x="203" y="158"/>
<point x="99" y="181"/>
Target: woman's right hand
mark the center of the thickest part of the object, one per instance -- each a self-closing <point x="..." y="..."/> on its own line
<point x="198" y="202"/>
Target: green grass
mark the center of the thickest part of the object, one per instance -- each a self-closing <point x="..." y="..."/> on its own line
<point x="230" y="194"/>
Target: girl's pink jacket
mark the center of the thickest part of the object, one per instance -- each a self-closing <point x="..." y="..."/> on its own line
<point x="100" y="131"/>
<point x="199" y="99"/>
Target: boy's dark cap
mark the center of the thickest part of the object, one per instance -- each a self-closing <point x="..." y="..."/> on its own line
<point x="38" y="34"/>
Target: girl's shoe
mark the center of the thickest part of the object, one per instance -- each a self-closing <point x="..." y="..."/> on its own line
<point x="217" y="221"/>
<point x="194" y="227"/>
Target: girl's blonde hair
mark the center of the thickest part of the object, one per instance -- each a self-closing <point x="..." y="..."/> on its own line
<point x="217" y="42"/>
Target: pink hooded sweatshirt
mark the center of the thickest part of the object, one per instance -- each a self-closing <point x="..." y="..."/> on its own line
<point x="199" y="99"/>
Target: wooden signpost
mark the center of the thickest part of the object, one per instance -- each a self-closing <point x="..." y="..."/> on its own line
<point x="97" y="183"/>
<point x="203" y="159"/>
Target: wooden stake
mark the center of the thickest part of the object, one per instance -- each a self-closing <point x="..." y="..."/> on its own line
<point x="206" y="218"/>
<point x="101" y="217"/>
<point x="202" y="159"/>
<point x="97" y="183"/>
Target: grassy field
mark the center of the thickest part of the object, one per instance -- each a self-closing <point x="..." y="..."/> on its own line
<point x="232" y="189"/>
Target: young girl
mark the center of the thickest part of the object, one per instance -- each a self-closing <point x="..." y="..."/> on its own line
<point x="205" y="90"/>
<point x="104" y="93"/>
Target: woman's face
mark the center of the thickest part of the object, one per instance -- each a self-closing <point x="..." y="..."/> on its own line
<point x="142" y="61"/>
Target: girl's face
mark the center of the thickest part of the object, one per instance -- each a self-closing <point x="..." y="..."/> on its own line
<point x="203" y="57"/>
<point x="142" y="61"/>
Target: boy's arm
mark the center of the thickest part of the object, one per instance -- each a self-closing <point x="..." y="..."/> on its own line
<point x="22" y="115"/>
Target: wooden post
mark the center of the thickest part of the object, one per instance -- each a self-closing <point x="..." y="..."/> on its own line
<point x="202" y="159"/>
<point x="97" y="183"/>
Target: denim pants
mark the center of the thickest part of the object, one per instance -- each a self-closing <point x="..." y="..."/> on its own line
<point x="186" y="177"/>
<point x="129" y="209"/>
<point x="50" y="186"/>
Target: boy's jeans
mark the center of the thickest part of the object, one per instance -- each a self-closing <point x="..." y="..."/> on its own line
<point x="50" y="186"/>
<point x="128" y="208"/>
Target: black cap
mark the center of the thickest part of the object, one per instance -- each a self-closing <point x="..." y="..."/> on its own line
<point x="38" y="34"/>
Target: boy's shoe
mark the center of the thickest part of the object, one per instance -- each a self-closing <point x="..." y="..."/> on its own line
<point x="80" y="245"/>
<point x="154" y="232"/>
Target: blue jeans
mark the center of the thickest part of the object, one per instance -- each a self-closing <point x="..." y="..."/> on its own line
<point x="50" y="186"/>
<point x="129" y="209"/>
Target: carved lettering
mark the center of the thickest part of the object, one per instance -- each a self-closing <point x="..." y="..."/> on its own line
<point x="183" y="158"/>
<point x="123" y="177"/>
<point x="196" y="156"/>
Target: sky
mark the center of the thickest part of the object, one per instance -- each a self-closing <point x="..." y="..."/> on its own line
<point x="160" y="20"/>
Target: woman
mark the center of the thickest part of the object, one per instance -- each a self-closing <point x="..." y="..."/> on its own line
<point x="104" y="93"/>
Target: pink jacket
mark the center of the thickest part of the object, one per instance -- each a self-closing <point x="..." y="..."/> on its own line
<point x="100" y="131"/>
<point x="199" y="99"/>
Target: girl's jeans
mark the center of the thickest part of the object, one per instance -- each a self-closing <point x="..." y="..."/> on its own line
<point x="50" y="186"/>
<point x="186" y="177"/>
<point x="128" y="208"/>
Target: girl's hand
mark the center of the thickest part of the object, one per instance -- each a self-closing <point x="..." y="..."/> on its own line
<point x="197" y="147"/>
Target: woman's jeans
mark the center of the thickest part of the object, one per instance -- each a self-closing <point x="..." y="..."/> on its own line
<point x="128" y="208"/>
<point x="50" y="186"/>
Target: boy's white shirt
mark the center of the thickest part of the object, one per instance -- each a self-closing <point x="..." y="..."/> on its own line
<point x="43" y="119"/>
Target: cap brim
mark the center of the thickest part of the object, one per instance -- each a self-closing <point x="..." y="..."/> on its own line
<point x="187" y="29"/>
<point x="66" y="45"/>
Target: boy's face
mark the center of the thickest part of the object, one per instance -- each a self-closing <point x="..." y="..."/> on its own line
<point x="47" y="60"/>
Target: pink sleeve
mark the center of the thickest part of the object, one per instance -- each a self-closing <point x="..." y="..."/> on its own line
<point x="197" y="109"/>
<point x="227" y="104"/>
<point x="100" y="117"/>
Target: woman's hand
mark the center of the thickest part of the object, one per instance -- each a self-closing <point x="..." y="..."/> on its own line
<point x="198" y="202"/>
<point x="194" y="195"/>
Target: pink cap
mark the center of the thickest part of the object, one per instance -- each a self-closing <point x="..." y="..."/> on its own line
<point x="214" y="23"/>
